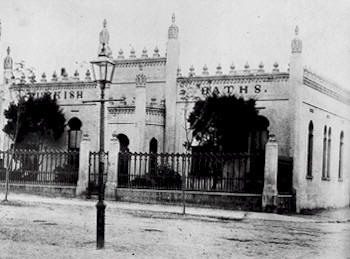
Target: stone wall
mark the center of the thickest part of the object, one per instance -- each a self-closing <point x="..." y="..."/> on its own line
<point x="236" y="201"/>
<point x="45" y="190"/>
<point x="206" y="199"/>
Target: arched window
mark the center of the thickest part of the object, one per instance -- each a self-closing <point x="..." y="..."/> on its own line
<point x="324" y="153"/>
<point x="341" y="147"/>
<point x="310" y="150"/>
<point x="74" y="134"/>
<point x="329" y="145"/>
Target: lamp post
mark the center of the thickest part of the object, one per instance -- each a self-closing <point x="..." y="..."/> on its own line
<point x="103" y="70"/>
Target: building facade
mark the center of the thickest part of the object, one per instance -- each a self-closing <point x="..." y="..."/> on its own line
<point x="309" y="115"/>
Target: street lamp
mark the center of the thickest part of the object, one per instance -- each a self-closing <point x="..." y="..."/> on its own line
<point x="103" y="70"/>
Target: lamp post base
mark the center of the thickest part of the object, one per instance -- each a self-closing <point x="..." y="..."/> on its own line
<point x="100" y="243"/>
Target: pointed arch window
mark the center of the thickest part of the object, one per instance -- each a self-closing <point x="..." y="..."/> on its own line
<point x="341" y="150"/>
<point x="310" y="150"/>
<point x="324" y="154"/>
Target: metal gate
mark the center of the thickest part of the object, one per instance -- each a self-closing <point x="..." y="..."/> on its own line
<point x="93" y="183"/>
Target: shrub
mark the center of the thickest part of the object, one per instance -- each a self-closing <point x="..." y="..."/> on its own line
<point x="66" y="174"/>
<point x="161" y="177"/>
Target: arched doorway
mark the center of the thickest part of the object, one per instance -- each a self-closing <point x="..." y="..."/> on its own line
<point x="153" y="145"/>
<point x="123" y="161"/>
<point x="74" y="134"/>
<point x="74" y="138"/>
<point x="257" y="140"/>
<point x="153" y="148"/>
<point x="258" y="137"/>
<point x="124" y="142"/>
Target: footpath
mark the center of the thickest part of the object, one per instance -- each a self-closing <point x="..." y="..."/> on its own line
<point x="322" y="216"/>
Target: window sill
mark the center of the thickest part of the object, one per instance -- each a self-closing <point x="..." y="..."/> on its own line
<point x="326" y="179"/>
<point x="309" y="177"/>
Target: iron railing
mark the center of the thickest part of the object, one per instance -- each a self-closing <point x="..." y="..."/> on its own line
<point x="40" y="167"/>
<point x="93" y="183"/>
<point x="193" y="172"/>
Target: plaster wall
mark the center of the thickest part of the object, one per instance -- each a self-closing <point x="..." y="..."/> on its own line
<point x="324" y="110"/>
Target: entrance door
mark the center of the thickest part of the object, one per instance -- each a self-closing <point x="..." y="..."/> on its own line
<point x="123" y="161"/>
<point x="153" y="149"/>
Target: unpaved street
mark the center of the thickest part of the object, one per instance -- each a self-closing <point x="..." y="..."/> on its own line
<point x="40" y="230"/>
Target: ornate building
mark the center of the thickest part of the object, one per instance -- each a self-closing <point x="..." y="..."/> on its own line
<point x="309" y="115"/>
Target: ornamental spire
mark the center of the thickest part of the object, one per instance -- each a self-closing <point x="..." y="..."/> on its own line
<point x="173" y="31"/>
<point x="297" y="44"/>
<point x="8" y="62"/>
<point x="104" y="48"/>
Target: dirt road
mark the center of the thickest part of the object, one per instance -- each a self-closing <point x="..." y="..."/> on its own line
<point x="41" y="230"/>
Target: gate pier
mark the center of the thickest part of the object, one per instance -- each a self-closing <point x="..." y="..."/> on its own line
<point x="269" y="196"/>
<point x="112" y="174"/>
<point x="83" y="178"/>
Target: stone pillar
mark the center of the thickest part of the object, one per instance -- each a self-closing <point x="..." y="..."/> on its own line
<point x="170" y="93"/>
<point x="297" y="149"/>
<point x="269" y="196"/>
<point x="140" y="111"/>
<point x="83" y="177"/>
<point x="112" y="174"/>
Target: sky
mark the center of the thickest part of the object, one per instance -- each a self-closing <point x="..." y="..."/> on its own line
<point x="51" y="34"/>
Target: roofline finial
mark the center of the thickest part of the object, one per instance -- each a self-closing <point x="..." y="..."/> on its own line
<point x="104" y="23"/>
<point x="296" y="30"/>
<point x="8" y="50"/>
<point x="173" y="18"/>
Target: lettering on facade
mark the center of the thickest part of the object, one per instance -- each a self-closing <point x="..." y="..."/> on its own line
<point x="232" y="89"/>
<point x="61" y="95"/>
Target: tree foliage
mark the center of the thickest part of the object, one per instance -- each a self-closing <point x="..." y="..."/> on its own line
<point x="39" y="120"/>
<point x="223" y="123"/>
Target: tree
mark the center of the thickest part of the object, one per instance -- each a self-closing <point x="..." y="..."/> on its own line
<point x="223" y="124"/>
<point x="35" y="120"/>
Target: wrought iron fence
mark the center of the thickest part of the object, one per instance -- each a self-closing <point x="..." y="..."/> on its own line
<point x="40" y="167"/>
<point x="193" y="172"/>
<point x="93" y="183"/>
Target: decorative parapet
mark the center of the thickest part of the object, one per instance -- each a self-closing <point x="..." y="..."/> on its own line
<point x="126" y="114"/>
<point x="155" y="111"/>
<point x="121" y="114"/>
<point x="325" y="86"/>
<point x="247" y="71"/>
<point x="126" y="109"/>
<point x="29" y="78"/>
<point x="48" y="86"/>
<point x="155" y="115"/>
<point x="145" y="62"/>
<point x="237" y="78"/>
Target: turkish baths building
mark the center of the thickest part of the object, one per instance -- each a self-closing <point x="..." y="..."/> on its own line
<point x="309" y="115"/>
